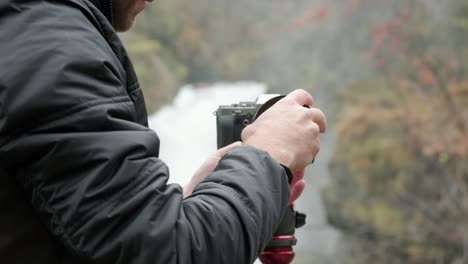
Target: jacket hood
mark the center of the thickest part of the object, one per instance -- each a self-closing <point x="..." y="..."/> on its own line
<point x="106" y="7"/>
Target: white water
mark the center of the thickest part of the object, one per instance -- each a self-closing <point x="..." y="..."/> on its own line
<point x="187" y="129"/>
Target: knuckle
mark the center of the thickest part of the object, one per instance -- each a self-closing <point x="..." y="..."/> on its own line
<point x="314" y="128"/>
<point x="287" y="101"/>
<point x="310" y="113"/>
<point x="247" y="131"/>
<point x="316" y="148"/>
<point x="317" y="114"/>
<point x="302" y="91"/>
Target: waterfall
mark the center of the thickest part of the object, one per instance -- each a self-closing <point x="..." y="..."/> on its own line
<point x="187" y="127"/>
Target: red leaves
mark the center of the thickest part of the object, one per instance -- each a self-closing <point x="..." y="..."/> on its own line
<point x="315" y="15"/>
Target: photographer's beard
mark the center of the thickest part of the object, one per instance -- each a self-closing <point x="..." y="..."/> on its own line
<point x="125" y="12"/>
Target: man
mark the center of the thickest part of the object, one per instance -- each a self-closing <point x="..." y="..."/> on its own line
<point x="80" y="181"/>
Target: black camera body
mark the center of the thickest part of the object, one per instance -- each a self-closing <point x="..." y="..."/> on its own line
<point x="232" y="119"/>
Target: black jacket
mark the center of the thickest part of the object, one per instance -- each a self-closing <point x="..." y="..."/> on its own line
<point x="80" y="181"/>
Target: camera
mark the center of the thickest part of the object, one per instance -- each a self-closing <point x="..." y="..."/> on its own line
<point x="232" y="119"/>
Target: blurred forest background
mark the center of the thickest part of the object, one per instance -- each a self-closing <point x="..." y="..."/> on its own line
<point x="392" y="77"/>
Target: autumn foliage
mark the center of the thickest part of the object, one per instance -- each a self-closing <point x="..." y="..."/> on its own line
<point x="399" y="190"/>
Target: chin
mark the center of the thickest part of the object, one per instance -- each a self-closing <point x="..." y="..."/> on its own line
<point x="124" y="27"/>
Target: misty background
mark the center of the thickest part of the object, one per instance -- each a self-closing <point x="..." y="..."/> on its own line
<point x="390" y="184"/>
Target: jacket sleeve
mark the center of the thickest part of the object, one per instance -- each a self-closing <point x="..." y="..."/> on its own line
<point x="68" y="133"/>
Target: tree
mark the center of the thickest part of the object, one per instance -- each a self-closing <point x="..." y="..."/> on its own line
<point x="400" y="186"/>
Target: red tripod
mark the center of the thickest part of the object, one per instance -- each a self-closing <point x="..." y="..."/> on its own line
<point x="279" y="250"/>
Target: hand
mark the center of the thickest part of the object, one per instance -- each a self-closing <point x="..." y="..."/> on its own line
<point x="207" y="168"/>
<point x="288" y="131"/>
<point x="297" y="186"/>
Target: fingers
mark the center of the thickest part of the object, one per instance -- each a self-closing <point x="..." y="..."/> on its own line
<point x="223" y="151"/>
<point x="200" y="174"/>
<point x="296" y="191"/>
<point x="297" y="176"/>
<point x="304" y="98"/>
<point x="301" y="97"/>
<point x="207" y="168"/>
<point x="319" y="118"/>
<point x="297" y="186"/>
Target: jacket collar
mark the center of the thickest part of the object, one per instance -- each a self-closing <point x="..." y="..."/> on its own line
<point x="106" y="7"/>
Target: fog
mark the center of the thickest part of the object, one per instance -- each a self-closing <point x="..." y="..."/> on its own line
<point x="206" y="53"/>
